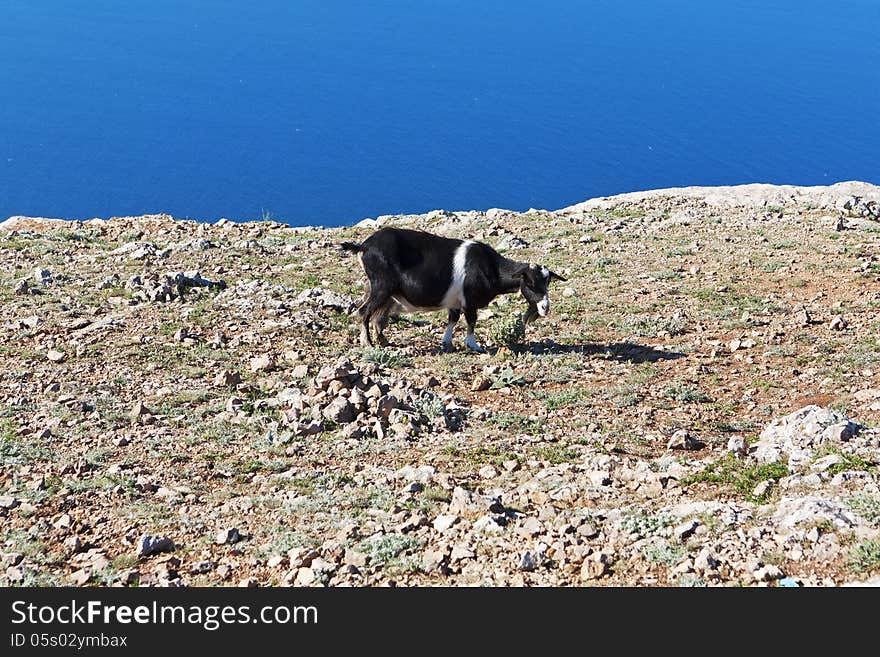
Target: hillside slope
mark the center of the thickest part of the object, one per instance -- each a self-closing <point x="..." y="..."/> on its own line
<point x="187" y="404"/>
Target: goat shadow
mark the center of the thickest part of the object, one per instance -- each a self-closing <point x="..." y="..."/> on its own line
<point x="623" y="352"/>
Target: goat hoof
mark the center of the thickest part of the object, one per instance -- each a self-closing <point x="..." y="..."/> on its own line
<point x="383" y="341"/>
<point x="447" y="347"/>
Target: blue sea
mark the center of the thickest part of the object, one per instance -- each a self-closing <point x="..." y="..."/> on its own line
<point x="324" y="112"/>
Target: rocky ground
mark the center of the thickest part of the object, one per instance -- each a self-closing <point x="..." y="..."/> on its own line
<point x="187" y="404"/>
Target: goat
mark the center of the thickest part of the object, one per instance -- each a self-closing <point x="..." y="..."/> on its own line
<point x="415" y="271"/>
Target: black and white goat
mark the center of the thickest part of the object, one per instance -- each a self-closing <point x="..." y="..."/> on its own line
<point x="414" y="271"/>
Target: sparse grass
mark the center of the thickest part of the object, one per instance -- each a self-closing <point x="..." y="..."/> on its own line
<point x="627" y="212"/>
<point x="385" y="357"/>
<point x="730" y="471"/>
<point x="686" y="394"/>
<point x="849" y="462"/>
<point x="650" y="326"/>
<point x="555" y="454"/>
<point x="282" y="539"/>
<point x="563" y="398"/>
<point x="388" y="551"/>
<point x="515" y="422"/>
<point x="865" y="557"/>
<point x="665" y="554"/>
<point x="689" y="580"/>
<point x="867" y="506"/>
<point x="18" y="540"/>
<point x="494" y="455"/>
<point x="624" y="396"/>
<point x="21" y="450"/>
<point x="429" y="405"/>
<point x="645" y="524"/>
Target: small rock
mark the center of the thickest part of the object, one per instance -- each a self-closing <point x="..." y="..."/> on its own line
<point x="423" y="474"/>
<point x="301" y="557"/>
<point x="805" y="319"/>
<point x="685" y="529"/>
<point x="300" y="371"/>
<point x="227" y="536"/>
<point x="768" y="573"/>
<point x="72" y="544"/>
<point x="842" y="431"/>
<point x="705" y="562"/>
<point x="588" y="530"/>
<point x="149" y="544"/>
<point x="340" y="411"/>
<point x="138" y="410"/>
<point x="595" y="566"/>
<point x="227" y="378"/>
<point x="433" y="561"/>
<point x="681" y="439"/>
<point x="8" y="502"/>
<point x="202" y="567"/>
<point x="55" y="356"/>
<point x="42" y="276"/>
<point x="838" y="323"/>
<point x="355" y="558"/>
<point x="63" y="522"/>
<point x="445" y="521"/>
<point x="305" y="577"/>
<point x="262" y="363"/>
<point x="737" y="445"/>
<point x="488" y="472"/>
<point x="460" y="553"/>
<point x="528" y="562"/>
<point x="569" y="292"/>
<point x="481" y="383"/>
<point x="761" y="489"/>
<point x="81" y="577"/>
<point x="490" y="524"/>
<point x="822" y="464"/>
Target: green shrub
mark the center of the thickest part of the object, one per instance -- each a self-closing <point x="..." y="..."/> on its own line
<point x="508" y="331"/>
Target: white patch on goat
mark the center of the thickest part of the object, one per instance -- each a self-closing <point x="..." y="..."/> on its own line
<point x="471" y="343"/>
<point x="544" y="306"/>
<point x="545" y="273"/>
<point x="447" y="337"/>
<point x="454" y="297"/>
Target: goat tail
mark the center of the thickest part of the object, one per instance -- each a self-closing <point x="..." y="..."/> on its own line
<point x="354" y="247"/>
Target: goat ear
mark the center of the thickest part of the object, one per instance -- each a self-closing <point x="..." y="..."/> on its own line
<point x="553" y="275"/>
<point x="520" y="271"/>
